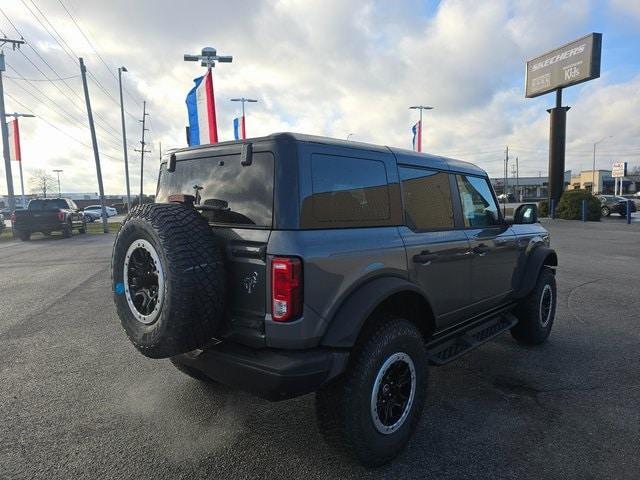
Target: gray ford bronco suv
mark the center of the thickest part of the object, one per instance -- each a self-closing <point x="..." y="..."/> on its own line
<point x="292" y="264"/>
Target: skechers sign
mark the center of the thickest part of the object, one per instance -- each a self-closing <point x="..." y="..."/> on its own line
<point x="572" y="63"/>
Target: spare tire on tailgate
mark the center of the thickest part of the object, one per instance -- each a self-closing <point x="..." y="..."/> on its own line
<point x="168" y="279"/>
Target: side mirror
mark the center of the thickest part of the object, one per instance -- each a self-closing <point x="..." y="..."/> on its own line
<point x="526" y="214"/>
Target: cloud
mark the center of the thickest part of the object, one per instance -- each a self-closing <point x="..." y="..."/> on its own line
<point x="326" y="68"/>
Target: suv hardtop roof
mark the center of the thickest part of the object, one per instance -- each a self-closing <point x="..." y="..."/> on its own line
<point x="402" y="155"/>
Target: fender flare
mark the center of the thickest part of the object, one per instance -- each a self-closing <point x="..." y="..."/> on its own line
<point x="347" y="323"/>
<point x="539" y="257"/>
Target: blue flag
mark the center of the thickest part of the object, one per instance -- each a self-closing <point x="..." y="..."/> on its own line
<point x="192" y="112"/>
<point x="236" y="128"/>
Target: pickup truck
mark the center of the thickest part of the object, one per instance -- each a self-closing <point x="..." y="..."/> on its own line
<point x="48" y="215"/>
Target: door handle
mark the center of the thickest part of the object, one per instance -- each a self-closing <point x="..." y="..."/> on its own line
<point x="481" y="250"/>
<point x="424" y="257"/>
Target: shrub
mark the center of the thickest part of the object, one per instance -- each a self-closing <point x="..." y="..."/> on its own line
<point x="543" y="208"/>
<point x="570" y="206"/>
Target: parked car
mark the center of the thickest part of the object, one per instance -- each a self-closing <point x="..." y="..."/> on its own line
<point x="48" y="215"/>
<point x="2" y="224"/>
<point x="292" y="264"/>
<point x="97" y="209"/>
<point x="614" y="204"/>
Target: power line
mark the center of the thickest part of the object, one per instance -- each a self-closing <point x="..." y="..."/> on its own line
<point x="38" y="116"/>
<point x="90" y="43"/>
<point x="42" y="79"/>
<point x="79" y="108"/>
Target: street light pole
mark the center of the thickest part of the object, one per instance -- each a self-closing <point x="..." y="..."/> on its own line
<point x="421" y="108"/>
<point x="59" y="172"/>
<point x="593" y="170"/>
<point x="243" y="100"/>
<point x="208" y="58"/>
<point x="124" y="138"/>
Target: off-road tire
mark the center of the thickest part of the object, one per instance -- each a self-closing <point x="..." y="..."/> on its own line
<point x="192" y="372"/>
<point x="343" y="408"/>
<point x="194" y="290"/>
<point x="534" y="327"/>
<point x="83" y="228"/>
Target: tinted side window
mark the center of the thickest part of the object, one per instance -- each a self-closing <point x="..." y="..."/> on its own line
<point x="347" y="192"/>
<point x="427" y="199"/>
<point x="479" y="209"/>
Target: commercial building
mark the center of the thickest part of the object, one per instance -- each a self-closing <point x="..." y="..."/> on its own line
<point x="527" y="189"/>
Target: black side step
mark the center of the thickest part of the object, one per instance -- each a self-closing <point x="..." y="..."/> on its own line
<point x="444" y="350"/>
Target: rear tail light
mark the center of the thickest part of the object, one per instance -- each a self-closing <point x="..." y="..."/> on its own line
<point x="286" y="288"/>
<point x="61" y="216"/>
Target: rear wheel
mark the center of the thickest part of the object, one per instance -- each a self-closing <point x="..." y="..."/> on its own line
<point x="67" y="231"/>
<point x="373" y="409"/>
<point x="24" y="236"/>
<point x="537" y="311"/>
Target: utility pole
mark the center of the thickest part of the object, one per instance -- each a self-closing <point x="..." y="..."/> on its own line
<point x="593" y="171"/>
<point x="244" y="125"/>
<point x="421" y="108"/>
<point x="5" y="131"/>
<point x="94" y="142"/>
<point x="506" y="179"/>
<point x="58" y="171"/>
<point x="15" y="116"/>
<point x="518" y="181"/>
<point x="124" y="138"/>
<point x="142" y="150"/>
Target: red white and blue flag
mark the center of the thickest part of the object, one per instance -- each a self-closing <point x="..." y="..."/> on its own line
<point x="14" y="141"/>
<point x="201" y="107"/>
<point x="239" y="129"/>
<point x="417" y="136"/>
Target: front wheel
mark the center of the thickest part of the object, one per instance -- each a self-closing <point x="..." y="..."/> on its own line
<point x="605" y="211"/>
<point x="536" y="312"/>
<point x="373" y="409"/>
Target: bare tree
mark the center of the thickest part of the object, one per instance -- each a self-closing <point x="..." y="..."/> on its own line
<point x="41" y="182"/>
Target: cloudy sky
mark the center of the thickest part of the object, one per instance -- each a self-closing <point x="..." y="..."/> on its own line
<point x="330" y="67"/>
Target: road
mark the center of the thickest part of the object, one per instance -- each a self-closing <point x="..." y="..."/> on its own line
<point x="77" y="401"/>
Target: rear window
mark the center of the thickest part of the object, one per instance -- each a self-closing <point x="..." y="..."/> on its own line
<point x="53" y="204"/>
<point x="229" y="192"/>
<point x="346" y="191"/>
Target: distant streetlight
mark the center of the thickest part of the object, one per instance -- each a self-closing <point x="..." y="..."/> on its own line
<point x="593" y="170"/>
<point x="58" y="172"/>
<point x="421" y="108"/>
<point x="208" y="58"/>
<point x="244" y="125"/>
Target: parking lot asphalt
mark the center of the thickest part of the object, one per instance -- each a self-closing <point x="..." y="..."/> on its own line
<point x="77" y="401"/>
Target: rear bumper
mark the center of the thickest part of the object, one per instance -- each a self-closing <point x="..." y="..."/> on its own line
<point x="268" y="373"/>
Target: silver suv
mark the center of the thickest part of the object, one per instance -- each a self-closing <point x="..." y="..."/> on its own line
<point x="293" y="264"/>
